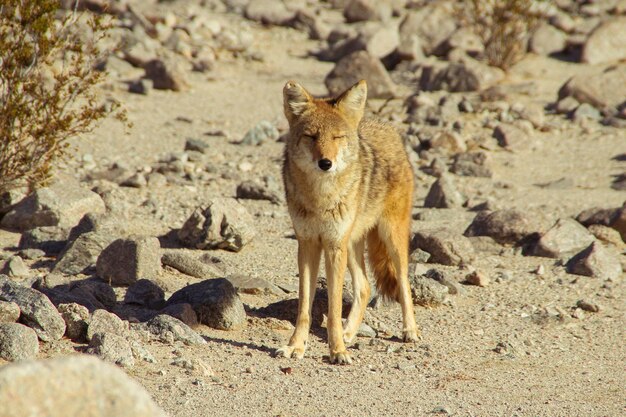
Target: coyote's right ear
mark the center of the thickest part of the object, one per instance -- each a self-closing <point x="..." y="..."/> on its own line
<point x="295" y="100"/>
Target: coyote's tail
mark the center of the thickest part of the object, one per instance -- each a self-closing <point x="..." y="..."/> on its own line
<point x="382" y="266"/>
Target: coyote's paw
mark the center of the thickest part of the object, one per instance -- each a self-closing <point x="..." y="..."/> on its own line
<point x="340" y="358"/>
<point x="410" y="336"/>
<point x="289" y="351"/>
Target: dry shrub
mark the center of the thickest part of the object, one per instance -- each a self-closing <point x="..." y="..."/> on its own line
<point x="46" y="86"/>
<point x="504" y="27"/>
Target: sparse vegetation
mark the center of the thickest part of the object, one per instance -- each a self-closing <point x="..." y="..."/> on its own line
<point x="503" y="25"/>
<point x="46" y="86"/>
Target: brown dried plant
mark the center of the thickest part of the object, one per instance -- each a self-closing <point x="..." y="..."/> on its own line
<point x="503" y="25"/>
<point x="47" y="85"/>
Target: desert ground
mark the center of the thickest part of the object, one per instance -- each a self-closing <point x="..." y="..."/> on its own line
<point x="532" y="339"/>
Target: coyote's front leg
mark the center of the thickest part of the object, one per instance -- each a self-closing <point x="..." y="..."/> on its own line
<point x="308" y="267"/>
<point x="336" y="263"/>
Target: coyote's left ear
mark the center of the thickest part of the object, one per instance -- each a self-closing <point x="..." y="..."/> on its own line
<point x="352" y="102"/>
<point x="295" y="100"/>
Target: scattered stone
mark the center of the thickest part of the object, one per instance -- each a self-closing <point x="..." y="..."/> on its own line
<point x="137" y="180"/>
<point x="141" y="353"/>
<point x="93" y="294"/>
<point x="566" y="238"/>
<point x="37" y="311"/>
<point x="566" y="105"/>
<point x="540" y="270"/>
<point x="254" y="191"/>
<point x="619" y="221"/>
<point x="588" y="306"/>
<point x="32" y="254"/>
<point x="596" y="261"/>
<point x="604" y="90"/>
<point x="252" y="285"/>
<point x="419" y="256"/>
<point x="269" y="12"/>
<point x="82" y="253"/>
<point x="444" y="194"/>
<point x="433" y="23"/>
<point x="606" y="234"/>
<point x="17" y="342"/>
<point x="15" y="267"/>
<point x="125" y="261"/>
<point x="441" y="277"/>
<point x="9" y="312"/>
<point x="448" y="141"/>
<point x="166" y="74"/>
<point x="547" y="40"/>
<point x="472" y="164"/>
<point x="104" y="322"/>
<point x="183" y="312"/>
<point x="50" y="387"/>
<point x="469" y="75"/>
<point x="223" y="224"/>
<point x="427" y="292"/>
<point x="62" y="204"/>
<point x="585" y="111"/>
<point x="358" y="66"/>
<point x="196" y="145"/>
<point x="477" y="278"/>
<point x="260" y="133"/>
<point x="215" y="301"/>
<point x="367" y="10"/>
<point x="511" y="137"/>
<point x="111" y="348"/>
<point x="76" y="319"/>
<point x="504" y="226"/>
<point x="141" y="86"/>
<point x="145" y="293"/>
<point x="170" y="329"/>
<point x="50" y="239"/>
<point x="188" y="264"/>
<point x="445" y="246"/>
<point x="596" y="215"/>
<point x="605" y="43"/>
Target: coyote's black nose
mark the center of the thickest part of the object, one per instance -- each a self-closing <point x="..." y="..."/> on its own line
<point x="325" y="164"/>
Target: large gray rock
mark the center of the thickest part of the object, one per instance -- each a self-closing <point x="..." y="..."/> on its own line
<point x="269" y="12"/>
<point x="125" y="261"/>
<point x="427" y="292"/>
<point x="378" y="40"/>
<point x="596" y="261"/>
<point x="547" y="40"/>
<point x="17" y="342"/>
<point x="50" y="239"/>
<point x="183" y="312"/>
<point x="511" y="137"/>
<point x="565" y="238"/>
<point x="104" y="322"/>
<point x="170" y="329"/>
<point x="606" y="42"/>
<point x="433" y="23"/>
<point x="145" y="293"/>
<point x="188" y="264"/>
<point x="465" y="75"/>
<point x="505" y="226"/>
<point x="112" y="348"/>
<point x="9" y="312"/>
<point x="37" y="311"/>
<point x="167" y="73"/>
<point x="264" y="131"/>
<point x="472" y="164"/>
<point x="76" y="319"/>
<point x="603" y="90"/>
<point x="215" y="301"/>
<point x="364" y="10"/>
<point x="358" y="66"/>
<point x="223" y="224"/>
<point x="445" y="246"/>
<point x="444" y="194"/>
<point x="82" y="253"/>
<point x="77" y="385"/>
<point x="62" y="204"/>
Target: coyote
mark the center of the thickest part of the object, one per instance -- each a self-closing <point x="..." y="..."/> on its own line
<point x="348" y="181"/>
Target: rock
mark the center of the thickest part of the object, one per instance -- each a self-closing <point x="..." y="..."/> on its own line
<point x="604" y="90"/>
<point x="585" y="111"/>
<point x="597" y="215"/>
<point x="49" y="388"/>
<point x="567" y="237"/>
<point x="76" y="319"/>
<point x="511" y="137"/>
<point x="17" y="342"/>
<point x="15" y="267"/>
<point x="9" y="312"/>
<point x="50" y="239"/>
<point x="358" y="66"/>
<point x="606" y="234"/>
<point x="444" y="194"/>
<point x="376" y="39"/>
<point x="141" y="86"/>
<point x="252" y="285"/>
<point x="253" y="191"/>
<point x="187" y="264"/>
<point x="145" y="293"/>
<point x="596" y="261"/>
<point x="196" y="145"/>
<point x="509" y="226"/>
<point x="450" y="142"/>
<point x="261" y="132"/>
<point x="427" y="292"/>
<point x="215" y="301"/>
<point x="605" y="43"/>
<point x="183" y="312"/>
<point x="269" y="12"/>
<point x="125" y="261"/>
<point x="365" y="331"/>
<point x="588" y="306"/>
<point x="619" y="221"/>
<point x="62" y="204"/>
<point x="477" y="278"/>
<point x="441" y="277"/>
<point x="32" y="254"/>
<point x="534" y="113"/>
<point x="37" y="311"/>
<point x="463" y="39"/>
<point x="311" y="23"/>
<point x="472" y="164"/>
<point x="104" y="322"/>
<point x="433" y="23"/>
<point x="98" y="294"/>
<point x="137" y="180"/>
<point x="112" y="348"/>
<point x="409" y="42"/>
<point x="222" y="224"/>
<point x="235" y="39"/>
<point x="166" y="73"/>
<point x="82" y="253"/>
<point x="468" y="75"/>
<point x="418" y="256"/>
<point x="547" y="40"/>
<point x="364" y="10"/>
<point x="445" y="246"/>
<point x="170" y="329"/>
<point x="566" y="105"/>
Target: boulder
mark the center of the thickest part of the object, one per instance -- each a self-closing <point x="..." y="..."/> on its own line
<point x="17" y="342"/>
<point x="445" y="246"/>
<point x="358" y="66"/>
<point x="509" y="226"/>
<point x="444" y="194"/>
<point x="603" y="90"/>
<point x="547" y="40"/>
<point x="565" y="238"/>
<point x="125" y="261"/>
<point x="112" y="348"/>
<point x="596" y="261"/>
<point x="606" y="42"/>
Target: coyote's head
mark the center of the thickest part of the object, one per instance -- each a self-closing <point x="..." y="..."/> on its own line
<point x="323" y="132"/>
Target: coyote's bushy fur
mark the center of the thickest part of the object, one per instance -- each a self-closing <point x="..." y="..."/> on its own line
<point x="348" y="181"/>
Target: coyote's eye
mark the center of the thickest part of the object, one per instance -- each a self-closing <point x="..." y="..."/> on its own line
<point x="309" y="136"/>
<point x="338" y="137"/>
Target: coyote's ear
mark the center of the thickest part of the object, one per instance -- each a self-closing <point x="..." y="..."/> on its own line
<point x="352" y="102"/>
<point x="295" y="100"/>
